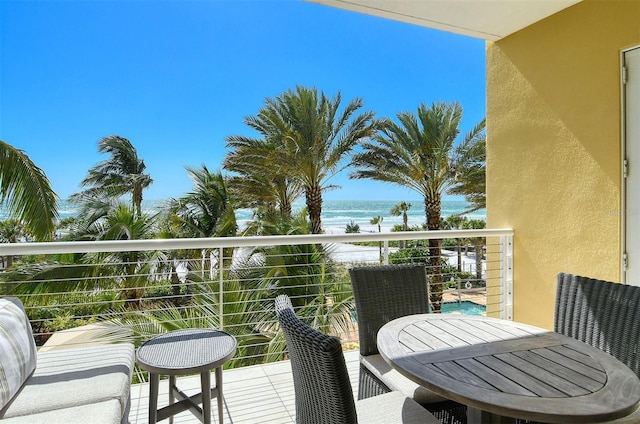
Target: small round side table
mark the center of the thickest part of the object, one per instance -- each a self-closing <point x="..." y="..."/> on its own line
<point x="186" y="352"/>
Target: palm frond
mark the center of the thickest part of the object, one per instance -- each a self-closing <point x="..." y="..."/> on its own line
<point x="26" y="192"/>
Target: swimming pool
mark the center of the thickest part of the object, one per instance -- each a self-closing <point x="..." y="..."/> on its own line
<point x="465" y="307"/>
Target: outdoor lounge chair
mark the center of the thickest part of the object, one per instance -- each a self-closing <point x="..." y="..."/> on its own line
<point x="382" y="294"/>
<point x="323" y="392"/>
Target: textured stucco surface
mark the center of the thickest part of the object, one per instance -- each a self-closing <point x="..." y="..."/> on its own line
<point x="554" y="147"/>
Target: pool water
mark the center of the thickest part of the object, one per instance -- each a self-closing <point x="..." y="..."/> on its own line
<point x="465" y="307"/>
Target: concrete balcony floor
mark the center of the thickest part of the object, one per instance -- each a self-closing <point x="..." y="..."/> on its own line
<point x="259" y="394"/>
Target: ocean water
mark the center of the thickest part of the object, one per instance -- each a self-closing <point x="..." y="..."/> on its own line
<point x="336" y="214"/>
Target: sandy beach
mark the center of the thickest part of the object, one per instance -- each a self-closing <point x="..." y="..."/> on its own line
<point x="351" y="253"/>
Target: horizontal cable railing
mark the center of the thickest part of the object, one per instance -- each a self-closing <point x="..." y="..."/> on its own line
<point x="79" y="293"/>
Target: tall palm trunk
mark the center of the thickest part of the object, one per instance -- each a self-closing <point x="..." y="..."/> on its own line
<point x="479" y="245"/>
<point x="132" y="291"/>
<point x="137" y="200"/>
<point x="433" y="206"/>
<point x="175" y="281"/>
<point x="314" y="206"/>
<point x="459" y="250"/>
<point x="405" y="227"/>
<point x="285" y="208"/>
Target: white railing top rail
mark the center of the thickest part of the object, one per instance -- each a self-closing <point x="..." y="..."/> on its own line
<point x="37" y="248"/>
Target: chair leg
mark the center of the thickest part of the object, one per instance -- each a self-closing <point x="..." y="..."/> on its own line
<point x="369" y="385"/>
<point x="448" y="412"/>
<point x="205" y="384"/>
<point x="220" y="395"/>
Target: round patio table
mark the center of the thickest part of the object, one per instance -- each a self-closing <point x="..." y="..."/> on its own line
<point x="503" y="370"/>
<point x="184" y="352"/>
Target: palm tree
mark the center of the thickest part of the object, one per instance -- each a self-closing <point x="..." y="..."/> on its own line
<point x="402" y="208"/>
<point x="206" y="211"/>
<point x="455" y="222"/>
<point x="133" y="268"/>
<point x="11" y="231"/>
<point x="470" y="178"/>
<point x="478" y="243"/>
<point x="312" y="138"/>
<point x="377" y="220"/>
<point x="121" y="174"/>
<point x="260" y="183"/>
<point x="126" y="273"/>
<point x="285" y="269"/>
<point x="238" y="310"/>
<point x="420" y="153"/>
<point x="398" y="209"/>
<point x="304" y="272"/>
<point x="26" y="192"/>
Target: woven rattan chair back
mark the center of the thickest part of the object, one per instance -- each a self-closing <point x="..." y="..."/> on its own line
<point x="601" y="313"/>
<point x="384" y="293"/>
<point x="321" y="382"/>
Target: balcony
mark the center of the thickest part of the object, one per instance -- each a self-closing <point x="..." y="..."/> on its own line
<point x="79" y="293"/>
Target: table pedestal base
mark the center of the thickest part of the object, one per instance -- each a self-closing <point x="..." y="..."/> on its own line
<point x="477" y="416"/>
<point x="186" y="402"/>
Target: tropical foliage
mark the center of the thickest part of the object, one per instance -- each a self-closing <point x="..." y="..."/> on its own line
<point x="470" y="179"/>
<point x="304" y="139"/>
<point x="352" y="228"/>
<point x="477" y="242"/>
<point x="207" y="210"/>
<point x="420" y="152"/>
<point x="455" y="222"/>
<point x="11" y="231"/>
<point x="128" y="273"/>
<point x="259" y="182"/>
<point x="123" y="173"/>
<point x="306" y="136"/>
<point x="25" y="191"/>
<point x="402" y="208"/>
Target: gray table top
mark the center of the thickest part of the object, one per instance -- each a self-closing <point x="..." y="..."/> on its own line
<point x="510" y="369"/>
<point x="186" y="351"/>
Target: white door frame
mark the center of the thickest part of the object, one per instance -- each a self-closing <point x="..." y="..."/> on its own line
<point x="636" y="167"/>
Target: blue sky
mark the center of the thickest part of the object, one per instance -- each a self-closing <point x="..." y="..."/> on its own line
<point x="177" y="77"/>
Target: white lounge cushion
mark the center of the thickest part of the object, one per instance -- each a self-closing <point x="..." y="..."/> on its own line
<point x="391" y="408"/>
<point x="107" y="412"/>
<point x="17" y="349"/>
<point x="74" y="377"/>
<point x="398" y="382"/>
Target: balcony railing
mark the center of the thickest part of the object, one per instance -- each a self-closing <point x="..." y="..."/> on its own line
<point x="82" y="292"/>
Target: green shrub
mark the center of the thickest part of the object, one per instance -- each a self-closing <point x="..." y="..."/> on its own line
<point x="352" y="228"/>
<point x="410" y="255"/>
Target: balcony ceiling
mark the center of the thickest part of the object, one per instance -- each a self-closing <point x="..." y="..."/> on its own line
<point x="486" y="19"/>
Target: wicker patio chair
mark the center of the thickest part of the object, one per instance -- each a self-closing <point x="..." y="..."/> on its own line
<point x="382" y="294"/>
<point x="323" y="393"/>
<point x="603" y="314"/>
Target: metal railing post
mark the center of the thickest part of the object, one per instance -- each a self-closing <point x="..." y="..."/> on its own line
<point x="506" y="277"/>
<point x="221" y="288"/>
<point x="385" y="246"/>
<point x="203" y="262"/>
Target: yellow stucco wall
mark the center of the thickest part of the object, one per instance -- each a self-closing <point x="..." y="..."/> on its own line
<point x="554" y="147"/>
